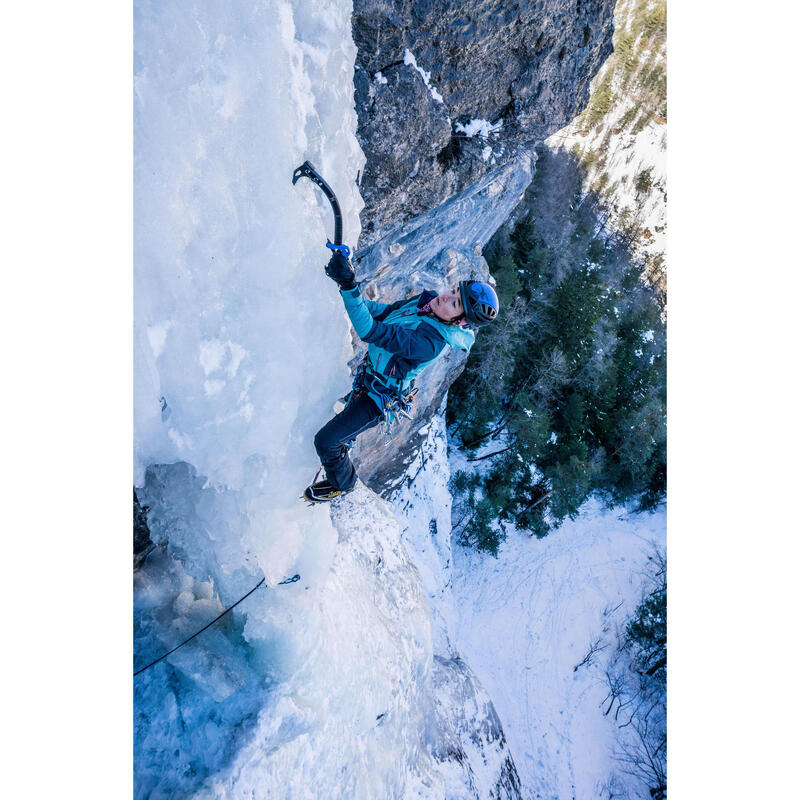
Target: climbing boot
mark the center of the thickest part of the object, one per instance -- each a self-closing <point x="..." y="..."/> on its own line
<point x="322" y="492"/>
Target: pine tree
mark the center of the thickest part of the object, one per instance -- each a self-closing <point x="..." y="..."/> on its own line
<point x="567" y="390"/>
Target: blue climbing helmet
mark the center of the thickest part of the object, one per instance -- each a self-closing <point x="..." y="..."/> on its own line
<point x="480" y="302"/>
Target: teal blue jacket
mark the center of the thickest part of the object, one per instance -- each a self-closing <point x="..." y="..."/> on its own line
<point x="402" y="339"/>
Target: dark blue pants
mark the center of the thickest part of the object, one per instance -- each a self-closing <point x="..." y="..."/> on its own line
<point x="332" y="440"/>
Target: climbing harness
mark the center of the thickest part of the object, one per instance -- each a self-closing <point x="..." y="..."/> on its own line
<point x="393" y="402"/>
<point x="293" y="579"/>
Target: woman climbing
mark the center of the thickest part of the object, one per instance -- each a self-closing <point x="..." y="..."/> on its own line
<point x="403" y="338"/>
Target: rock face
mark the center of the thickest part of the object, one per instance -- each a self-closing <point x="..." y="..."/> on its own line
<point x="425" y="69"/>
<point x="469" y="742"/>
<point x="142" y="543"/>
<point x="466" y="735"/>
<point x="433" y="251"/>
<point x="436" y="187"/>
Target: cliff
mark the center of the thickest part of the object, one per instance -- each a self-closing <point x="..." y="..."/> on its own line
<point x="345" y="681"/>
<point x="451" y="97"/>
<point x="425" y="70"/>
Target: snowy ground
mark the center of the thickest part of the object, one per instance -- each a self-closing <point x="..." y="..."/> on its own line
<point x="524" y="620"/>
<point x="527" y="618"/>
<point x="628" y="156"/>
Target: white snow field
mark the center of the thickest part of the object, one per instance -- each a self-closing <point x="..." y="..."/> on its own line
<point x="527" y="618"/>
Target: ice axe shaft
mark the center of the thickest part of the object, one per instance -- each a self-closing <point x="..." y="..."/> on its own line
<point x="308" y="170"/>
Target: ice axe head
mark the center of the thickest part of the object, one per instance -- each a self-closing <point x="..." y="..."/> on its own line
<point x="306" y="169"/>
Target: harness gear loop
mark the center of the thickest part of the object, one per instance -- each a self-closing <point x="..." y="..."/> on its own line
<point x="393" y="403"/>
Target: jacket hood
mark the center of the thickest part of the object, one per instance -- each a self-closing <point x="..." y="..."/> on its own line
<point x="457" y="336"/>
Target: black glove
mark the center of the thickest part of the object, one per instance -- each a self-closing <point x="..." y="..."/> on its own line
<point x="340" y="270"/>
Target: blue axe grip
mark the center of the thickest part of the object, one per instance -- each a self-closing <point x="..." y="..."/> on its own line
<point x="341" y="248"/>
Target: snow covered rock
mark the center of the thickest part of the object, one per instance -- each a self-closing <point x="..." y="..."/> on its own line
<point x="467" y="737"/>
<point x="470" y="745"/>
<point x="621" y="138"/>
<point x="349" y="721"/>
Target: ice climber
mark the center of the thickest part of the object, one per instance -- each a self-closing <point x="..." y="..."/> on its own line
<point x="403" y="338"/>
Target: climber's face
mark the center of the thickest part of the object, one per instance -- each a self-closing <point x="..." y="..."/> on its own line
<point x="448" y="306"/>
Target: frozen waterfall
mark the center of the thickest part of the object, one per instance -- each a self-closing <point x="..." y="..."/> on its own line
<point x="240" y="350"/>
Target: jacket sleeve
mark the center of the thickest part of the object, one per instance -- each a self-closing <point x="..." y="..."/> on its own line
<point x="420" y="344"/>
<point x="375" y="309"/>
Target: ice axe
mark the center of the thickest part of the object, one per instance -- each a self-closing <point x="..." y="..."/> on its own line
<point x="308" y="170"/>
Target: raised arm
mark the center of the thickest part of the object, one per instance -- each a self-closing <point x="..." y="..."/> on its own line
<point x="422" y="343"/>
<point x="341" y="270"/>
<point x="375" y="309"/>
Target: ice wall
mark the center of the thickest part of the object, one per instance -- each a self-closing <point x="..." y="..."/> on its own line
<point x="349" y="721"/>
<point x="236" y="327"/>
<point x="321" y="693"/>
<point x="240" y="350"/>
<point x="240" y="339"/>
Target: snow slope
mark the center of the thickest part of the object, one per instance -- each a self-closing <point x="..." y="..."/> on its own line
<point x="527" y="618"/>
<point x="626" y="162"/>
<point x="524" y="620"/>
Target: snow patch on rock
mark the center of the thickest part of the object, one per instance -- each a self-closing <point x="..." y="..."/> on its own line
<point x="408" y="58"/>
<point x="479" y="127"/>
